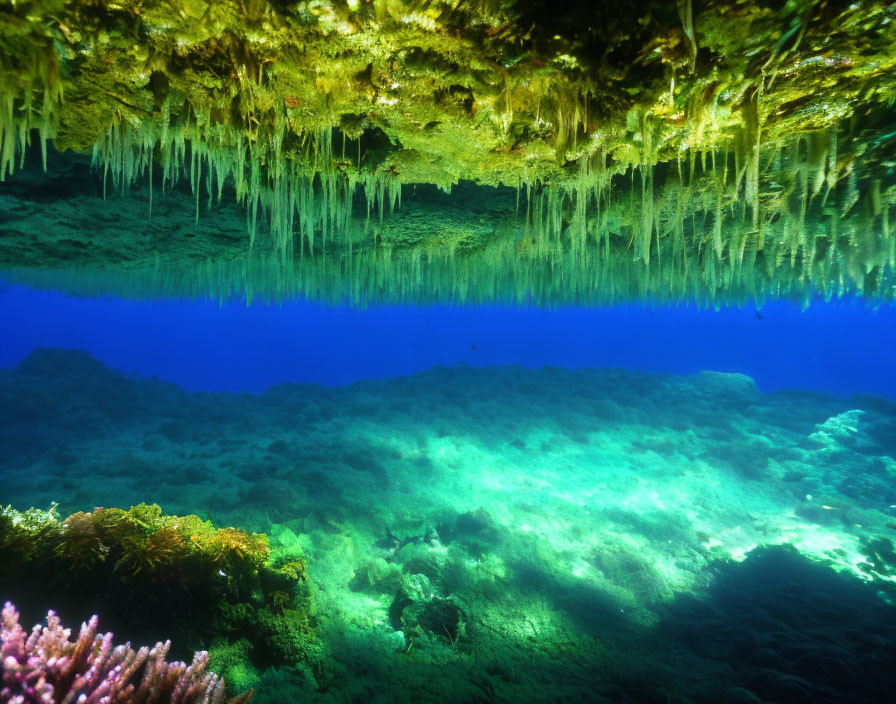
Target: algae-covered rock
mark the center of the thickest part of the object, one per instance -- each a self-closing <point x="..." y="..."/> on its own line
<point x="420" y="612"/>
<point x="715" y="152"/>
<point x="376" y="576"/>
<point x="232" y="661"/>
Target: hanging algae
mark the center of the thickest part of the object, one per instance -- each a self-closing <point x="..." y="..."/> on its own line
<point x="30" y="90"/>
<point x="705" y="247"/>
<point x="673" y="152"/>
<point x="300" y="196"/>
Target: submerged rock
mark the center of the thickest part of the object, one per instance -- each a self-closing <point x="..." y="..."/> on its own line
<point x="660" y="151"/>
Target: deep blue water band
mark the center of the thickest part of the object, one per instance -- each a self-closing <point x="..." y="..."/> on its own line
<point x="840" y="348"/>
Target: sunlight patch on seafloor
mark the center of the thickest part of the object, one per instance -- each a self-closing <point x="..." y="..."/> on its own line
<point x="676" y="513"/>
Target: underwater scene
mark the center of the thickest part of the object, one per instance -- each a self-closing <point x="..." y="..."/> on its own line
<point x="465" y="351"/>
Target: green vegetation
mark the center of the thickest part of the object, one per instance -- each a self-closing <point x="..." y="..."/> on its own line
<point x="179" y="574"/>
<point x="139" y="544"/>
<point x="657" y="151"/>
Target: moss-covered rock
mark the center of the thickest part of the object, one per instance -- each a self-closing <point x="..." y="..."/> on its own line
<point x="659" y="149"/>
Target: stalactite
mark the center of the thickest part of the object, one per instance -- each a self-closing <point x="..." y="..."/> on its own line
<point x="699" y="235"/>
<point x="817" y="144"/>
<point x="297" y="198"/>
<point x="19" y="114"/>
<point x="753" y="138"/>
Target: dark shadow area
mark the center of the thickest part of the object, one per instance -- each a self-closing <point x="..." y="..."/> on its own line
<point x="790" y="630"/>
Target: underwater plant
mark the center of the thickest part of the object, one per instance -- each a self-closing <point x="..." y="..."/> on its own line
<point x="139" y="544"/>
<point x="47" y="667"/>
<point x="712" y="154"/>
<point x="145" y="570"/>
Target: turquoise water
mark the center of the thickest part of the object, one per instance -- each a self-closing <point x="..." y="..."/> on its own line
<point x="498" y="533"/>
<point x="448" y="351"/>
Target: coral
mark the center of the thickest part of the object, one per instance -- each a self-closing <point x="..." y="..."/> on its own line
<point x="48" y="667"/>
<point x="143" y="568"/>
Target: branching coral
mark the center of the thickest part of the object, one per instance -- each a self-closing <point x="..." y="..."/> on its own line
<point x="144" y="568"/>
<point x="48" y="667"/>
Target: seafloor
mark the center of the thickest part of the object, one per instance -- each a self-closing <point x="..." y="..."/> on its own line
<point x="507" y="534"/>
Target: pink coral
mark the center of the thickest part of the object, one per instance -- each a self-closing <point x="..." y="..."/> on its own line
<point x="46" y="667"/>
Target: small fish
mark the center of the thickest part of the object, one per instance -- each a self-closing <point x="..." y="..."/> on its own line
<point x="758" y="315"/>
<point x="473" y="347"/>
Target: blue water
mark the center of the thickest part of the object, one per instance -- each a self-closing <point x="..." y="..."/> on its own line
<point x="648" y="529"/>
<point x="838" y="348"/>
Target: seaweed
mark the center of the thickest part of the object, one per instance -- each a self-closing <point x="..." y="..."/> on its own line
<point x="151" y="573"/>
<point x="692" y="153"/>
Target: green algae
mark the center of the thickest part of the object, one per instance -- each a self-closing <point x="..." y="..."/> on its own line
<point x="178" y="577"/>
<point x="725" y="152"/>
<point x="694" y="243"/>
